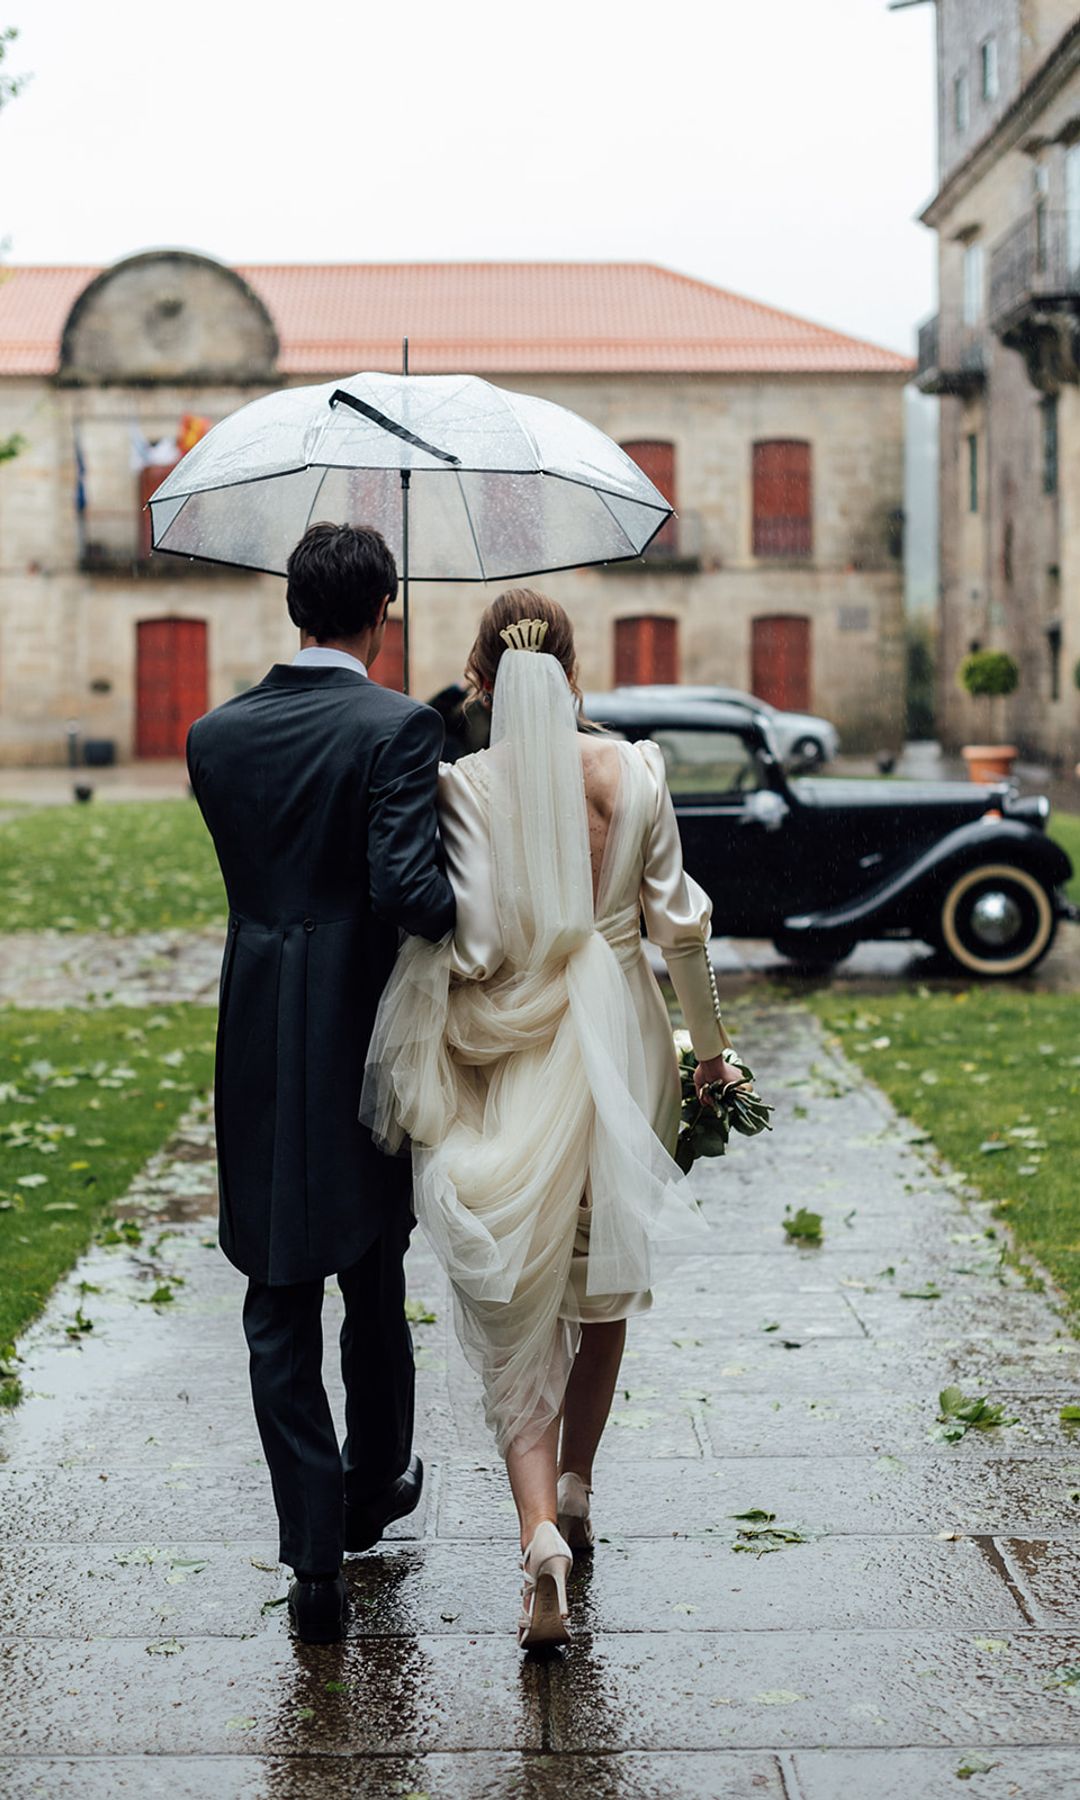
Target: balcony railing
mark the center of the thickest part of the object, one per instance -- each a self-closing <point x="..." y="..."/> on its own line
<point x="1035" y="267"/>
<point x="952" y="356"/>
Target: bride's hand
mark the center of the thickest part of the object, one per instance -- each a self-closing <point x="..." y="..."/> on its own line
<point x="717" y="1068"/>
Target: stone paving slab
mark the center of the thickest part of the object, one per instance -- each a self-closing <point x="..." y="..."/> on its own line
<point x="994" y="1773"/>
<point x="933" y="1606"/>
<point x="377" y="1696"/>
<point x="204" y="1588"/>
<point x="840" y="1494"/>
<point x="787" y="1689"/>
<point x="715" y="1775"/>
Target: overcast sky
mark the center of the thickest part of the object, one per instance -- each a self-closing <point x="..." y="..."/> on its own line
<point x="776" y="147"/>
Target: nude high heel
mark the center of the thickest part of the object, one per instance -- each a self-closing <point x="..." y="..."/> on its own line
<point x="545" y="1611"/>
<point x="574" y="1521"/>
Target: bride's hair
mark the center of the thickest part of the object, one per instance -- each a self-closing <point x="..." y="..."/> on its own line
<point x="507" y="609"/>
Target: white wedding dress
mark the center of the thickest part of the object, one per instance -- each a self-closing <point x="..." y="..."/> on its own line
<point x="530" y="1057"/>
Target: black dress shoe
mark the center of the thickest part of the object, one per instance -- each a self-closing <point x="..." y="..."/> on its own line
<point x="366" y="1521"/>
<point x="319" y="1609"/>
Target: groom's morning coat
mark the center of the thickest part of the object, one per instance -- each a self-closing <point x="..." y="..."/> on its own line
<point x="318" y="787"/>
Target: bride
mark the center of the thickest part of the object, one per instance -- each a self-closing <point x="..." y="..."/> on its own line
<point x="530" y="1060"/>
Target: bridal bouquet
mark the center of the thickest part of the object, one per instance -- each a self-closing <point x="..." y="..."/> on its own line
<point x="705" y="1130"/>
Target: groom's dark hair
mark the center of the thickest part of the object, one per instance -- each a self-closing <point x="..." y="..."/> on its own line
<point x="338" y="576"/>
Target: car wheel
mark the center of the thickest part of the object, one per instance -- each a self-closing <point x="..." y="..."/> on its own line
<point x="813" y="954"/>
<point x="808" y="753"/>
<point x="996" y="920"/>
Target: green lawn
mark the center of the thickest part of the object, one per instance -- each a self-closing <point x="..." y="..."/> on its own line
<point x="1065" y="828"/>
<point x="85" y="1098"/>
<point x="993" y="1075"/>
<point x="117" y="867"/>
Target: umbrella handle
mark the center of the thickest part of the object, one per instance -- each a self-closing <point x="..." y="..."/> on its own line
<point x="373" y="413"/>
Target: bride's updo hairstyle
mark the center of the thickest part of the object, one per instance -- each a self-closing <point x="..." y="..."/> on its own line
<point x="507" y="609"/>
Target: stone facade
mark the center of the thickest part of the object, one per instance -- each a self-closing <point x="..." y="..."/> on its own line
<point x="1003" y="356"/>
<point x="74" y="585"/>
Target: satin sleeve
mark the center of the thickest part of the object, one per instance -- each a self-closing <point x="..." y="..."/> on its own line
<point x="477" y="946"/>
<point x="678" y="917"/>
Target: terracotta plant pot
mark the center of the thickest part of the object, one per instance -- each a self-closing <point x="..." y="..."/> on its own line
<point x="989" y="762"/>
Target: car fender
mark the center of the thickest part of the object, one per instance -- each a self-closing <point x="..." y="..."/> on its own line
<point x="904" y="897"/>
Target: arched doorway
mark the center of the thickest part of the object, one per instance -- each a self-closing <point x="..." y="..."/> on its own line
<point x="170" y="683"/>
<point x="780" y="660"/>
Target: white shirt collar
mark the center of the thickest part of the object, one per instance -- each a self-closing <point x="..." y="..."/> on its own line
<point x="319" y="656"/>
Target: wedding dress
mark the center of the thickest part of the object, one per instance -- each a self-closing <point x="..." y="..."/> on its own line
<point x="529" y="1058"/>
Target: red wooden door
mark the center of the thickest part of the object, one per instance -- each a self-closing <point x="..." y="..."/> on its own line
<point x="170" y="683"/>
<point x="780" y="661"/>
<point x="656" y="459"/>
<point x="389" y="666"/>
<point x="783" y="498"/>
<point x="646" y="650"/>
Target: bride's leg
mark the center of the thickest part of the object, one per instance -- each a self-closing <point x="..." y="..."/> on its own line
<point x="532" y="1479"/>
<point x="589" y="1394"/>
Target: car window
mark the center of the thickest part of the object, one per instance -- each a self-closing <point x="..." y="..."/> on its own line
<point x="708" y="762"/>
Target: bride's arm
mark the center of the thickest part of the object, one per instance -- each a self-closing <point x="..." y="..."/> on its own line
<point x="476" y="947"/>
<point x="678" y="919"/>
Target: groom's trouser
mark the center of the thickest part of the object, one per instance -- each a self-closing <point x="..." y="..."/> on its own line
<point x="311" y="1478"/>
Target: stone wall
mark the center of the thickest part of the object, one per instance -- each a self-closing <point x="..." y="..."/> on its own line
<point x="1010" y="574"/>
<point x="67" y="635"/>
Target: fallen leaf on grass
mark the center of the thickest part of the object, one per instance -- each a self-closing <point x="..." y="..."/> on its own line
<point x="1070" y="1414"/>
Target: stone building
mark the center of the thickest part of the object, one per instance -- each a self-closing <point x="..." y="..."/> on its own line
<point x="1004" y="355"/>
<point x="779" y="442"/>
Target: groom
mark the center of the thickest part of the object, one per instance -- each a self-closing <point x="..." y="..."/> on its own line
<point x="318" y="788"/>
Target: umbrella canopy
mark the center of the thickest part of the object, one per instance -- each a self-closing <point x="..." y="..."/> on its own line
<point x="497" y="484"/>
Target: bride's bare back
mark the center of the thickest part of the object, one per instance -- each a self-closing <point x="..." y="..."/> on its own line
<point x="600" y="767"/>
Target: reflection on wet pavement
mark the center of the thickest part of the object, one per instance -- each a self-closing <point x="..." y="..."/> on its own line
<point x="919" y="1624"/>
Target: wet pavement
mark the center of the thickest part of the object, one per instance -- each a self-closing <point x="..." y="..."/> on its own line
<point x="919" y="1625"/>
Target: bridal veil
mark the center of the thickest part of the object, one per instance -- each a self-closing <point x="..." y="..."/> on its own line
<point x="524" y="1094"/>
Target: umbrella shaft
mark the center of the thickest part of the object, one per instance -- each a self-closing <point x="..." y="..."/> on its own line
<point x="405" y="477"/>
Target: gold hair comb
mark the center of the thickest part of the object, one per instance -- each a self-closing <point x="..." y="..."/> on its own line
<point x="526" y="634"/>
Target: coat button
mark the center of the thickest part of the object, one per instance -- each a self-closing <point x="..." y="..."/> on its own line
<point x="309" y="924"/>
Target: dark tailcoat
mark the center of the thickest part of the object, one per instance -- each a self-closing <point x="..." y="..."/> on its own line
<point x="318" y="787"/>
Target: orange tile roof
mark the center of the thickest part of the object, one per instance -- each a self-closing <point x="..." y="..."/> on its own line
<point x="538" y="318"/>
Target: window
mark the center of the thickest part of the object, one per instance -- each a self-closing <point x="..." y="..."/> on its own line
<point x="988" y="63"/>
<point x="1049" y="409"/>
<point x="783" y="499"/>
<point x="708" y="762"/>
<point x="1072" y="208"/>
<point x="961" y="105"/>
<point x="973" y="472"/>
<point x="656" y="459"/>
<point x="646" y="650"/>
<point x="974" y="283"/>
<point x="1053" y="645"/>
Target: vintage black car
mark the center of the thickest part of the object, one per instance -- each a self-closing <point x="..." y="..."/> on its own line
<point x="818" y="865"/>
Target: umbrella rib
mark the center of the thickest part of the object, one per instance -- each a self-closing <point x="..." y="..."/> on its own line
<point x="619" y="522"/>
<point x="315" y="496"/>
<point x="472" y="528"/>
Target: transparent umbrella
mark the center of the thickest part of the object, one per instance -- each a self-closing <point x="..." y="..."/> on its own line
<point x="466" y="481"/>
